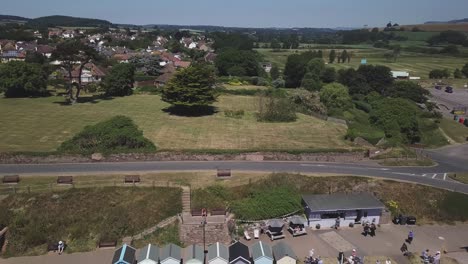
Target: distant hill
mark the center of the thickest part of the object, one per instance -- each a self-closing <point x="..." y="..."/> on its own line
<point x="456" y="21"/>
<point x="13" y="19"/>
<point x="68" y="21"/>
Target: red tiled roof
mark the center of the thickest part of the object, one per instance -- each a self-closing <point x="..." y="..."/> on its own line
<point x="182" y="64"/>
<point x="95" y="70"/>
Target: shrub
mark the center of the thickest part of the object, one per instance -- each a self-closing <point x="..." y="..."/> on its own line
<point x="259" y="81"/>
<point x="307" y="102"/>
<point x="439" y="74"/>
<point x="275" y="108"/>
<point x="278" y="83"/>
<point x="238" y="114"/>
<point x="118" y="134"/>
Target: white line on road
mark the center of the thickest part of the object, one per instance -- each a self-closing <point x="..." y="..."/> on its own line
<point x="424" y="175"/>
<point x="433" y="176"/>
<point x="406" y="174"/>
<point x="445" y="176"/>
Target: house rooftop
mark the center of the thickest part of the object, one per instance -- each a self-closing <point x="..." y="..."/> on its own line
<point x="260" y="250"/>
<point x="218" y="250"/>
<point x="341" y="201"/>
<point x="237" y="250"/>
<point x="282" y="250"/>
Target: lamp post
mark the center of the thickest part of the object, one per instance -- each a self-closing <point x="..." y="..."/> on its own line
<point x="204" y="238"/>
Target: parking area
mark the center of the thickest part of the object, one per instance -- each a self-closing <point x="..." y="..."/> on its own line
<point x="448" y="101"/>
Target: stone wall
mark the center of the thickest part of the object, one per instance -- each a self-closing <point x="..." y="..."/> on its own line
<point x="193" y="234"/>
<point x="179" y="156"/>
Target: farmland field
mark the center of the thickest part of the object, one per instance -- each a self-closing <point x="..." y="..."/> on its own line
<point x="41" y="124"/>
<point x="415" y="63"/>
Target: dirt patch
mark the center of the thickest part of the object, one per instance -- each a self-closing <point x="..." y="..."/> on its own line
<point x="174" y="156"/>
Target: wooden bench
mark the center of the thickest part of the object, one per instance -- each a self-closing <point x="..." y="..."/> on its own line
<point x="65" y="180"/>
<point x="222" y="173"/>
<point x="132" y="179"/>
<point x="54" y="246"/>
<point x="107" y="244"/>
<point x="218" y="212"/>
<point x="196" y="213"/>
<point x="11" y="179"/>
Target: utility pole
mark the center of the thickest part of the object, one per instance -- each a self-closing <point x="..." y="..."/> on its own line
<point x="204" y="238"/>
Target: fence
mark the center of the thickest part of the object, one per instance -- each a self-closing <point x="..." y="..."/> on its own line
<point x="9" y="189"/>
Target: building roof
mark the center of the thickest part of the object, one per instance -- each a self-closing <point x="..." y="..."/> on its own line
<point x="182" y="64"/>
<point x="238" y="250"/>
<point x="165" y="77"/>
<point x="150" y="252"/>
<point x="12" y="54"/>
<point x="170" y="251"/>
<point x="297" y="220"/>
<point x="218" y="250"/>
<point x="125" y="253"/>
<point x="282" y="250"/>
<point x="95" y="70"/>
<point x="194" y="252"/>
<point x="341" y="201"/>
<point x="397" y="74"/>
<point x="45" y="49"/>
<point x="276" y="223"/>
<point x="260" y="250"/>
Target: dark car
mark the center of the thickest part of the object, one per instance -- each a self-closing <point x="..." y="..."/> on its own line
<point x="438" y="87"/>
<point x="449" y="89"/>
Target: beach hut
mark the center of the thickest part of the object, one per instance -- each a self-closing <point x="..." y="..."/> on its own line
<point x="261" y="253"/>
<point x="297" y="225"/>
<point x="218" y="254"/>
<point x="149" y="255"/>
<point x="124" y="255"/>
<point x="194" y="255"/>
<point x="239" y="254"/>
<point x="284" y="254"/>
<point x="275" y="229"/>
<point x="170" y="254"/>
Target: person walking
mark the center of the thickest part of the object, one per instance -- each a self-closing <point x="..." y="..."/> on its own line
<point x="388" y="261"/>
<point x="410" y="236"/>
<point x="437" y="258"/>
<point x="60" y="247"/>
<point x="372" y="230"/>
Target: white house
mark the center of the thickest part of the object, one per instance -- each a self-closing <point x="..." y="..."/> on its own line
<point x="284" y="254"/>
<point x="149" y="255"/>
<point x="218" y="254"/>
<point x="194" y="255"/>
<point x="325" y="209"/>
<point x="261" y="253"/>
<point x="192" y="45"/>
<point x="170" y="254"/>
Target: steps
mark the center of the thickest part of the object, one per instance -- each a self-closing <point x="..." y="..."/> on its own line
<point x="186" y="200"/>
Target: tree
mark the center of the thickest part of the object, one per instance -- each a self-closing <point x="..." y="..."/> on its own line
<point x="295" y="68"/>
<point x="119" y="81"/>
<point x="332" y="56"/>
<point x="190" y="88"/>
<point x="275" y="44"/>
<point x="21" y="79"/>
<point x="355" y="81"/>
<point x="439" y="74"/>
<point x="72" y="52"/>
<point x="378" y="77"/>
<point x="344" y="56"/>
<point x="464" y="70"/>
<point x="235" y="62"/>
<point x="408" y="90"/>
<point x="328" y="75"/>
<point x="396" y="52"/>
<point x="274" y="72"/>
<point x="389" y="24"/>
<point x="35" y="57"/>
<point x="335" y="96"/>
<point x="457" y="74"/>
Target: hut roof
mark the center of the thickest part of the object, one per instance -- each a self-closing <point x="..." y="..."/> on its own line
<point x="124" y="254"/>
<point x="170" y="251"/>
<point x="194" y="252"/>
<point x="260" y="250"/>
<point x="282" y="250"/>
<point x="218" y="250"/>
<point x="238" y="250"/>
<point x="150" y="252"/>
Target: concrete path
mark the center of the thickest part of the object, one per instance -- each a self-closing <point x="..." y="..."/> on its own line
<point x="95" y="257"/>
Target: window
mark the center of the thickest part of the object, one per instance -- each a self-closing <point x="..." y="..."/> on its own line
<point x="365" y="213"/>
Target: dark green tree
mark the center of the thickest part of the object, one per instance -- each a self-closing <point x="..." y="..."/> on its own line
<point x="191" y="88"/>
<point x="344" y="56"/>
<point x="332" y="56"/>
<point x="335" y="96"/>
<point x="464" y="70"/>
<point x="439" y="74"/>
<point x="69" y="53"/>
<point x="119" y="81"/>
<point x="378" y="77"/>
<point x="296" y="66"/>
<point x="21" y="79"/>
<point x="408" y="90"/>
<point x="457" y="74"/>
<point x="328" y="75"/>
<point x="35" y="57"/>
<point x="274" y="72"/>
<point x="230" y="61"/>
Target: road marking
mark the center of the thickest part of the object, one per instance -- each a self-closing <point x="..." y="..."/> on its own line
<point x="406" y="174"/>
<point x="424" y="175"/>
<point x="445" y="176"/>
<point x="433" y="176"/>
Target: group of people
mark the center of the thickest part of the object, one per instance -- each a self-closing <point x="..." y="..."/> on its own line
<point x="425" y="255"/>
<point x="369" y="229"/>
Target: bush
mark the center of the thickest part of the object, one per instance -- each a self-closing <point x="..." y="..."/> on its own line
<point x="238" y="114"/>
<point x="278" y="83"/>
<point x="439" y="74"/>
<point x="307" y="102"/>
<point x="259" y="81"/>
<point x="118" y="134"/>
<point x="275" y="108"/>
<point x="92" y="87"/>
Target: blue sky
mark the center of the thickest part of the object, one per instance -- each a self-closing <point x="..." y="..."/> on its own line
<point x="247" y="13"/>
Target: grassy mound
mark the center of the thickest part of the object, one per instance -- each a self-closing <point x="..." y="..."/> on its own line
<point x="116" y="135"/>
<point x="82" y="217"/>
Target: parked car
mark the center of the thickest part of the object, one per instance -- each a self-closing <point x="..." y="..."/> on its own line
<point x="438" y="87"/>
<point x="449" y="89"/>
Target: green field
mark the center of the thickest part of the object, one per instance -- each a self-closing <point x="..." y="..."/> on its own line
<point x="455" y="131"/>
<point x="416" y="64"/>
<point x="41" y="124"/>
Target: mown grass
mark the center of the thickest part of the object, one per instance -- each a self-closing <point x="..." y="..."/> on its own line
<point x="42" y="124"/>
<point x="461" y="177"/>
<point x="456" y="131"/>
<point x="82" y="217"/>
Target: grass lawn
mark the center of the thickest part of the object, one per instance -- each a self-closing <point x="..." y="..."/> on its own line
<point x="415" y="63"/>
<point x="461" y="177"/>
<point x="161" y="237"/>
<point x="41" y="124"/>
<point x="456" y="131"/>
<point x="82" y="217"/>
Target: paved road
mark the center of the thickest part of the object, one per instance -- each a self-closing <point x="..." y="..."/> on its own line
<point x="434" y="176"/>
